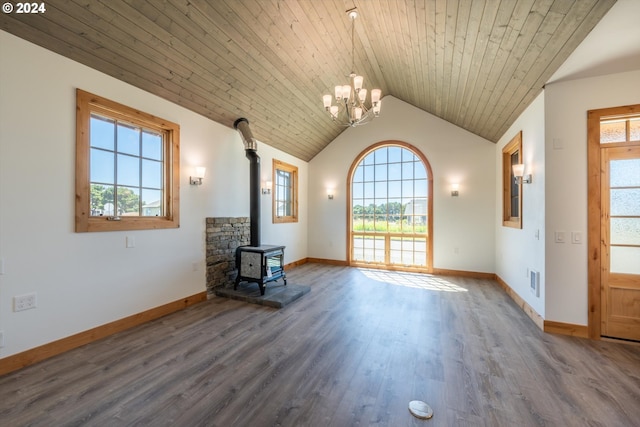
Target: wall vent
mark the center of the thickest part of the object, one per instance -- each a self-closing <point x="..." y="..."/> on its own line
<point x="535" y="283"/>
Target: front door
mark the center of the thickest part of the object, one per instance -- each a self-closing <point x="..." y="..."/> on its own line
<point x="620" y="244"/>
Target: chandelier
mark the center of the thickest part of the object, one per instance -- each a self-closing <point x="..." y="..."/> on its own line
<point x="350" y="108"/>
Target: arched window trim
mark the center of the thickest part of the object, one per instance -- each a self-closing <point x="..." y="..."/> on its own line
<point x="427" y="165"/>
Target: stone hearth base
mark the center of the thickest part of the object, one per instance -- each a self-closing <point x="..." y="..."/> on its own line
<point x="276" y="294"/>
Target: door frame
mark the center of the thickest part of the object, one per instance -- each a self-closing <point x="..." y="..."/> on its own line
<point x="427" y="165"/>
<point x="594" y="212"/>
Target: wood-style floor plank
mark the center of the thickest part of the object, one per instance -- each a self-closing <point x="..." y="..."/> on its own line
<point x="352" y="352"/>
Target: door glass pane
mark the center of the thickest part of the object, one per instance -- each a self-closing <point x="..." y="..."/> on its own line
<point x="613" y="131"/>
<point x="625" y="259"/>
<point x="625" y="231"/>
<point x="634" y="128"/>
<point x="624" y="173"/>
<point x="625" y="202"/>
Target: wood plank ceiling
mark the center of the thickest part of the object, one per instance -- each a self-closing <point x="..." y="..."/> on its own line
<point x="475" y="63"/>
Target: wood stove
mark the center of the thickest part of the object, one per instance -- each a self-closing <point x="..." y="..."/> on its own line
<point x="256" y="262"/>
<point x="260" y="264"/>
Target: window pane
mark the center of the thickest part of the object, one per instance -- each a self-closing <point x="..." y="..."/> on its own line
<point x="381" y="189"/>
<point x="395" y="188"/>
<point x="624" y="173"/>
<point x="625" y="202"/>
<point x="368" y="173"/>
<point x="151" y="145"/>
<point x="408" y="156"/>
<point x="613" y="131"/>
<point x="151" y="174"/>
<point x="369" y="189"/>
<point x="625" y="231"/>
<point x="395" y="172"/>
<point x="101" y="195"/>
<point x="358" y="175"/>
<point x="128" y="170"/>
<point x="407" y="170"/>
<point x="102" y="132"/>
<point x="152" y="203"/>
<point x="357" y="191"/>
<point x="407" y="188"/>
<point x="369" y="159"/>
<point x="625" y="260"/>
<point x="380" y="156"/>
<point x="420" y="171"/>
<point x="101" y="166"/>
<point x="128" y="140"/>
<point x="395" y="154"/>
<point x="381" y="172"/>
<point x="420" y="188"/>
<point x="128" y="201"/>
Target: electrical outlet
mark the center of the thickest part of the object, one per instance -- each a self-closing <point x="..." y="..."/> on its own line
<point x="1" y="339"/>
<point x="24" y="302"/>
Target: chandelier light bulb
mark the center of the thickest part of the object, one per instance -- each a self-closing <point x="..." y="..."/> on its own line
<point x="375" y="96"/>
<point x="334" y="111"/>
<point x="362" y="95"/>
<point x="357" y="82"/>
<point x="327" y="101"/>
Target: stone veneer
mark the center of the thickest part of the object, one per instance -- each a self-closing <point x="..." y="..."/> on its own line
<point x="224" y="235"/>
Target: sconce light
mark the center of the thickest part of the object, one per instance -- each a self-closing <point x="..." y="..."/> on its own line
<point x="519" y="176"/>
<point x="266" y="189"/>
<point x="454" y="190"/>
<point x="199" y="172"/>
<point x="330" y="193"/>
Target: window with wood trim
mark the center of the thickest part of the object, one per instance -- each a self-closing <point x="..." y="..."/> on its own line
<point x="127" y="167"/>
<point x="511" y="188"/>
<point x="285" y="194"/>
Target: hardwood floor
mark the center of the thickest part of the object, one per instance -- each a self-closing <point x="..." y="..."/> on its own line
<point x="352" y="352"/>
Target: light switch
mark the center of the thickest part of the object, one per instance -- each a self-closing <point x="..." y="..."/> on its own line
<point x="576" y="237"/>
<point x="559" y="236"/>
<point x="131" y="242"/>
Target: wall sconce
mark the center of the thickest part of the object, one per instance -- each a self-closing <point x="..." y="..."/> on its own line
<point x="330" y="193"/>
<point x="519" y="176"/>
<point x="199" y="172"/>
<point x="266" y="189"/>
<point x="454" y="190"/>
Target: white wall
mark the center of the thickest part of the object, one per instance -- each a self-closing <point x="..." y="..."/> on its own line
<point x="455" y="155"/>
<point x="566" y="106"/>
<point x="84" y="280"/>
<point x="518" y="251"/>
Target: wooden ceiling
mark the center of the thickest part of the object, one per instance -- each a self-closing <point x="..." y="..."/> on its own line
<point x="475" y="63"/>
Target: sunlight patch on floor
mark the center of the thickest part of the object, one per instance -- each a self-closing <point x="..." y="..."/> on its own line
<point x="413" y="280"/>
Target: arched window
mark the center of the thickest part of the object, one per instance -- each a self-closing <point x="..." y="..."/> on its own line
<point x="390" y="212"/>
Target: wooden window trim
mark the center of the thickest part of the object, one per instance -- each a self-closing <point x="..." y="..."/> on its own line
<point x="508" y="220"/>
<point x="293" y="170"/>
<point x="86" y="104"/>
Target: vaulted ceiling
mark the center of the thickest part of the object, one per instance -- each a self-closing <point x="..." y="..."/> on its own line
<point x="475" y="63"/>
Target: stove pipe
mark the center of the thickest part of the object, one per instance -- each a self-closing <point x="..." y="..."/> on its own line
<point x="251" y="148"/>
